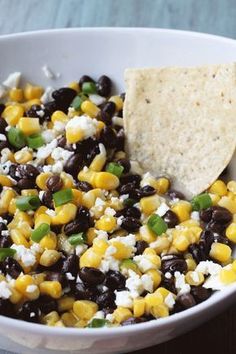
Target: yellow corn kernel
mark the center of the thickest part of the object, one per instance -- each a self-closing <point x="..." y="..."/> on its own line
<point x="67" y="180"/>
<point x="99" y="128"/>
<point x="146" y="234"/>
<point x="66" y="303"/>
<point x="106" y="223"/>
<point x="234" y="265"/>
<point x="50" y="160"/>
<point x="181" y="240"/>
<point x="49" y="257"/>
<point x="139" y="307"/>
<point x="152" y="300"/>
<point x="12" y="114"/>
<point x="227" y="275"/>
<point x="98" y="163"/>
<point x="89" y="198"/>
<point x="85" y="309"/>
<point x="68" y="319"/>
<point x="218" y="187"/>
<point x="64" y="245"/>
<point x="182" y="209"/>
<point x="12" y="207"/>
<point x="25" y="285"/>
<point x="74" y="85"/>
<point x="64" y="214"/>
<point x="118" y="102"/>
<point x="122" y="251"/>
<point x="149" y="204"/>
<point x="27" y="105"/>
<point x="42" y="219"/>
<point x="231" y="186"/>
<point x="23" y="156"/>
<point x="5" y="181"/>
<point x="29" y="126"/>
<point x="59" y="116"/>
<point x="39" y="278"/>
<point x="41" y="210"/>
<point x="220" y="252"/>
<point x="31" y="92"/>
<point x="156" y="277"/>
<point x="21" y="217"/>
<point x="100" y="246"/>
<point x="51" y="288"/>
<point x="59" y="324"/>
<point x="16" y="296"/>
<point x="121" y="314"/>
<point x="159" y="311"/>
<point x="161" y="244"/>
<point x="87" y="176"/>
<point x="191" y="264"/>
<point x="6" y="196"/>
<point x="106" y="180"/>
<point x="74" y="135"/>
<point x="162" y="185"/>
<point x="91" y="235"/>
<point x="163" y="292"/>
<point x="77" y="196"/>
<point x="90" y="259"/>
<point x="194" y="278"/>
<point x="49" y="241"/>
<point x="153" y="257"/>
<point x="18" y="238"/>
<point x="42" y="178"/>
<point x="90" y="108"/>
<point x="16" y="94"/>
<point x="231" y="232"/>
<point x="51" y="318"/>
<point x="81" y="324"/>
<point x="228" y="203"/>
<point x="215" y="199"/>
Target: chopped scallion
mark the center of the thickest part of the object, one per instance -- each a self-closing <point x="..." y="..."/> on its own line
<point x="16" y="137"/>
<point x="31" y="202"/>
<point x="89" y="87"/>
<point x="40" y="232"/>
<point x="35" y="141"/>
<point x="77" y="239"/>
<point x="62" y="197"/>
<point x="6" y="252"/>
<point x="97" y="323"/>
<point x="201" y="201"/>
<point x="157" y="224"/>
<point x="115" y="169"/>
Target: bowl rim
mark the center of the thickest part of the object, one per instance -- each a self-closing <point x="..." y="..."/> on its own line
<point x="218" y="297"/>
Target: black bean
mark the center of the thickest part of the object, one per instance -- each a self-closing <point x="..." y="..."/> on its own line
<point x="221" y="239"/>
<point x="200" y="294"/>
<point x="6" y="308"/>
<point x="125" y="163"/>
<point x="84" y="147"/>
<point x="106" y="300"/>
<point x="91" y="276"/>
<point x="2" y="107"/>
<point x="134" y="179"/>
<point x="173" y="194"/>
<point x="29" y="311"/>
<point x="27" y="171"/>
<point x="3" y="125"/>
<point x="70" y="265"/>
<point x="173" y="263"/>
<point x="92" y="153"/>
<point x="75" y="227"/>
<point x="56" y="228"/>
<point x="141" y="246"/>
<point x="127" y="188"/>
<point x="147" y="191"/>
<point x="216" y="227"/>
<point x="104" y="86"/>
<point x="4" y="145"/>
<point x="109" y="108"/>
<point x="7" y="217"/>
<point x="169" y="284"/>
<point x="171" y="219"/>
<point x="49" y="109"/>
<point x="61" y="141"/>
<point x="5" y="241"/>
<point x="13" y="172"/>
<point x="54" y="183"/>
<point x="74" y="164"/>
<point x="33" y="112"/>
<point x="224" y="172"/>
<point x="221" y="215"/>
<point x="47" y="199"/>
<point x="83" y="215"/>
<point x="114" y="280"/>
<point x="12" y="267"/>
<point x="133" y="212"/>
<point x="133" y="320"/>
<point x="205" y="215"/>
<point x="47" y="304"/>
<point x="206" y="239"/>
<point x="131" y="224"/>
<point x="105" y="118"/>
<point x="120" y="140"/>
<point x="186" y="301"/>
<point x="198" y="252"/>
<point x="63" y="97"/>
<point x="84" y="186"/>
<point x="108" y="137"/>
<point x="2" y="227"/>
<point x="26" y="183"/>
<point x="83" y="79"/>
<point x="57" y="276"/>
<point x="83" y="292"/>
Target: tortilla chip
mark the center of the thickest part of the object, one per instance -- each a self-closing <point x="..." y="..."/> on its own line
<point x="181" y="122"/>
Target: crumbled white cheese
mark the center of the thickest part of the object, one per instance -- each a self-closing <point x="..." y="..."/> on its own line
<point x="110" y="211"/>
<point x="41" y="193"/>
<point x="47" y="168"/>
<point x="110" y="251"/>
<point x="4" y="221"/>
<point x="180" y="284"/>
<point x="96" y="99"/>
<point x="80" y="249"/>
<point x="13" y="80"/>
<point x="117" y="121"/>
<point x="170" y="301"/>
<point x="5" y="155"/>
<point x="109" y="317"/>
<point x="3" y="137"/>
<point x="5" y="232"/>
<point x="57" y="167"/>
<point x="119" y="220"/>
<point x="36" y="248"/>
<point x="70" y="276"/>
<point x="124" y="299"/>
<point x="123" y="197"/>
<point x="101" y="235"/>
<point x="146" y="179"/>
<point x="195" y="215"/>
<point x="31" y="288"/>
<point x="6" y="167"/>
<point x="50" y="212"/>
<point x="48" y="135"/>
<point x="195" y="276"/>
<point x="59" y="126"/>
<point x="25" y="255"/>
<point x="144" y="263"/>
<point x="168" y="275"/>
<point x="208" y="267"/>
<point x="98" y="314"/>
<point x="214" y="283"/>
<point x="137" y="284"/>
<point x="47" y="95"/>
<point x="109" y="263"/>
<point x="60" y="154"/>
<point x="5" y="291"/>
<point x="48" y="73"/>
<point x="163" y="208"/>
<point x="85" y="124"/>
<point x="44" y="151"/>
<point x="40" y="113"/>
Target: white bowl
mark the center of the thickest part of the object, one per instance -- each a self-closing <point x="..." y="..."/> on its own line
<point x="108" y="51"/>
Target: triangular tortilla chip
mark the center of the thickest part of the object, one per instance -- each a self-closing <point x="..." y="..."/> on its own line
<point x="181" y="122"/>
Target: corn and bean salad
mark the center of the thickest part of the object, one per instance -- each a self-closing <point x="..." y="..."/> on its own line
<point x="85" y="241"/>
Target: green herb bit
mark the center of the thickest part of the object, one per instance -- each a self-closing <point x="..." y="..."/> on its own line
<point x="16" y="137"/>
<point x="6" y="252"/>
<point x="115" y="169"/>
<point x="97" y="323"/>
<point x="89" y="87"/>
<point x="157" y="224"/>
<point x="201" y="201"/>
<point x="40" y="232"/>
<point x="62" y="197"/>
<point x="77" y="239"/>
<point x="31" y="202"/>
<point x="35" y="141"/>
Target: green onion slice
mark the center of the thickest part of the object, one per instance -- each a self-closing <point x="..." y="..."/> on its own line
<point x="89" y="87"/>
<point x="97" y="323"/>
<point x="35" y="141"/>
<point x="6" y="252"/>
<point x="16" y="137"/>
<point x="115" y="169"/>
<point x="40" y="232"/>
<point x="77" y="101"/>
<point x="31" y="202"/>
<point x="77" y="239"/>
<point x="201" y="201"/>
<point x="157" y="224"/>
<point x="62" y="197"/>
